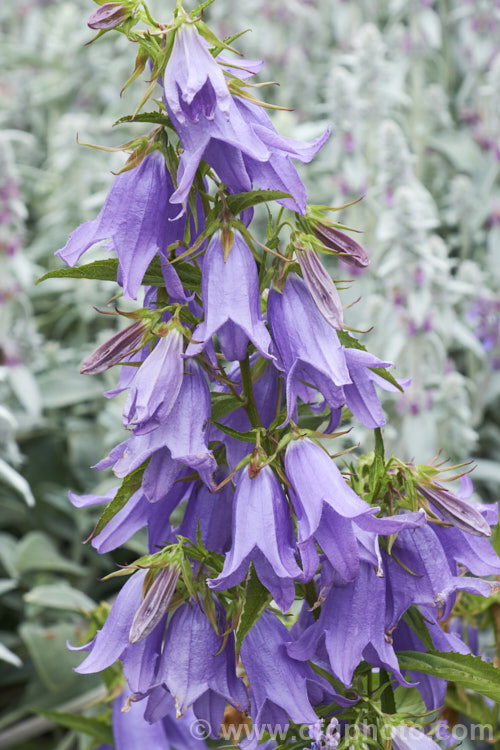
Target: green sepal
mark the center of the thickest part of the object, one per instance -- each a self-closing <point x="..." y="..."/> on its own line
<point x="200" y="8"/>
<point x="257" y="598"/>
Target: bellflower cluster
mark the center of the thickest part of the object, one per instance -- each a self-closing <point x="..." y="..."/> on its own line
<point x="237" y="371"/>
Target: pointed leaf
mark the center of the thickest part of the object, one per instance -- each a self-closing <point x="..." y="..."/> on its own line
<point x="130" y="484"/>
<point x="96" y="728"/>
<point x="462" y="669"/>
<point x="256" y="600"/>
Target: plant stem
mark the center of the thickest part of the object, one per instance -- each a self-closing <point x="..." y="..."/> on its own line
<point x="246" y="382"/>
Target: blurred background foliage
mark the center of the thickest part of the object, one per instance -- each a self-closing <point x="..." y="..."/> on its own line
<point x="412" y="90"/>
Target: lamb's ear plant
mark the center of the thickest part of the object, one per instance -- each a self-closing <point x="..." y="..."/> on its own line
<point x="294" y="594"/>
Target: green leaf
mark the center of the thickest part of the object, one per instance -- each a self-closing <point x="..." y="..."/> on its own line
<point x="224" y="403"/>
<point x="245" y="437"/>
<point x="96" y="728"/>
<point x="36" y="552"/>
<point x="463" y="669"/>
<point x="52" y="659"/>
<point x="241" y="201"/>
<point x="106" y="270"/>
<point x="60" y="596"/>
<point x="130" y="484"/>
<point x="415" y="620"/>
<point x="387" y="701"/>
<point x="256" y="600"/>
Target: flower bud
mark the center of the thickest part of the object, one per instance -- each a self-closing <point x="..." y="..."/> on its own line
<point x="321" y="286"/>
<point x="154" y="604"/>
<point x="114" y="349"/>
<point x="339" y="242"/>
<point x="455" y="510"/>
<point x="108" y="16"/>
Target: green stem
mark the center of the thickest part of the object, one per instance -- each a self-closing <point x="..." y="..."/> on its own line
<point x="246" y="381"/>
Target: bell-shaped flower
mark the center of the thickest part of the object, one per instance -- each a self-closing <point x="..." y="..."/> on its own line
<point x="231" y="300"/>
<point x="112" y="641"/>
<point x="194" y="668"/>
<point x="361" y="396"/>
<point x="138" y="220"/>
<point x="433" y="580"/>
<point x="240" y="144"/>
<point x="351" y="628"/>
<point x="308" y="347"/>
<point x="281" y="687"/>
<point x="405" y="737"/>
<point x="262" y="533"/>
<point x="156" y="385"/>
<point x="184" y="434"/>
<point x="132" y="730"/>
<point x="316" y="482"/>
<point x="194" y="82"/>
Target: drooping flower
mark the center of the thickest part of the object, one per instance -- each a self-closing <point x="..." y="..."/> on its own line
<point x="262" y="533"/>
<point x="308" y="347"/>
<point x="241" y="144"/>
<point x="194" y="82"/>
<point x="409" y="738"/>
<point x="156" y="385"/>
<point x="351" y="627"/>
<point x="112" y="641"/>
<point x="231" y="301"/>
<point x="181" y="439"/>
<point x="281" y="688"/>
<point x="138" y="220"/>
<point x="132" y="730"/>
<point x="195" y="670"/>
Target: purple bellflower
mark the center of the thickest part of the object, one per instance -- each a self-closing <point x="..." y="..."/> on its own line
<point x="195" y="670"/>
<point x="262" y="533"/>
<point x="112" y="641"/>
<point x="231" y="300"/>
<point x="234" y="136"/>
<point x="409" y="738"/>
<point x="131" y="730"/>
<point x="138" y="220"/>
<point x="308" y="347"/>
<point x="352" y="628"/>
<point x="281" y="688"/>
<point x="194" y="82"/>
<point x="183" y="434"/>
<point x="156" y="385"/>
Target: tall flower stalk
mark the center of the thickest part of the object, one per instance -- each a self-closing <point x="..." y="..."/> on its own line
<point x="241" y="373"/>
